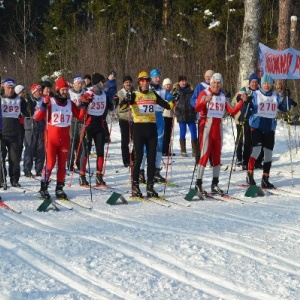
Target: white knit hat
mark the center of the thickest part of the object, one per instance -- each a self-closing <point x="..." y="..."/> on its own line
<point x="167" y="81"/>
<point x="18" y="89"/>
<point x="216" y="77"/>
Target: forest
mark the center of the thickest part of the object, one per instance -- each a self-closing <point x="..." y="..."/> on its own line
<point x="179" y="37"/>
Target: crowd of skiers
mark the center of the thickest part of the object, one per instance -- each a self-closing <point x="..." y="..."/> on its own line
<point x="57" y="125"/>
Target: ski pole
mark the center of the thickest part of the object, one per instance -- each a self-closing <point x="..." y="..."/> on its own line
<point x="2" y="167"/>
<point x="107" y="148"/>
<point x="169" y="154"/>
<point x="236" y="146"/>
<point x="74" y="138"/>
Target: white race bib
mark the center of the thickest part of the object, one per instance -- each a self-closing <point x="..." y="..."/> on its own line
<point x="11" y="107"/>
<point x="267" y="106"/>
<point x="216" y="107"/>
<point x="61" y="116"/>
<point x="97" y="107"/>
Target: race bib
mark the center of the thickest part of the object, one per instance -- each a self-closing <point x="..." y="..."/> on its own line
<point x="61" y="116"/>
<point x="267" y="106"/>
<point x="216" y="107"/>
<point x="11" y="107"/>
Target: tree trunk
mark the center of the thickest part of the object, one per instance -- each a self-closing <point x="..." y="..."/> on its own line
<point x="250" y="40"/>
<point x="283" y="32"/>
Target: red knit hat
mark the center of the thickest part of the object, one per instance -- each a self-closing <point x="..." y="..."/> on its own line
<point x="35" y="87"/>
<point x="61" y="84"/>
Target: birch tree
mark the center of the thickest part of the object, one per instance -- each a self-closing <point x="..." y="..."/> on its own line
<point x="250" y="40"/>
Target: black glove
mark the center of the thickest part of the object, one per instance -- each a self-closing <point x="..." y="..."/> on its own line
<point x="249" y="100"/>
<point x="176" y="95"/>
<point x="0" y="134"/>
<point x="227" y="94"/>
<point x="128" y="96"/>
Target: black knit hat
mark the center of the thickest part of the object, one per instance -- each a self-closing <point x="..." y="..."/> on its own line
<point x="181" y="77"/>
<point x="127" y="78"/>
<point x="97" y="77"/>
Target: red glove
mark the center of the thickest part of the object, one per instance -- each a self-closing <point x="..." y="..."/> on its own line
<point x="46" y="99"/>
<point x="87" y="97"/>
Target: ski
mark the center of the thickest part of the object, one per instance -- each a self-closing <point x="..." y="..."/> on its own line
<point x="76" y="203"/>
<point x="281" y="192"/>
<point x="62" y="203"/>
<point x="150" y="200"/>
<point x="212" y="196"/>
<point x="176" y="203"/>
<point x="5" y="206"/>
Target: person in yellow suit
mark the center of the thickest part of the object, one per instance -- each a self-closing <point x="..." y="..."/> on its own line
<point x="143" y="103"/>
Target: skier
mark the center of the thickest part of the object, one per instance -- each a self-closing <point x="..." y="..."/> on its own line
<point x="11" y="108"/>
<point x="76" y="126"/>
<point x="155" y="76"/>
<point x="264" y="104"/>
<point x="34" y="133"/>
<point x="186" y="115"/>
<point x="211" y="104"/>
<point x="58" y="111"/>
<point x="125" y="121"/>
<point x="143" y="103"/>
<point x="95" y="128"/>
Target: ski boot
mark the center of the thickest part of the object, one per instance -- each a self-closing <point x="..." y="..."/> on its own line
<point x="99" y="179"/>
<point x="44" y="190"/>
<point x="249" y="179"/>
<point x="265" y="183"/>
<point x="158" y="177"/>
<point x="151" y="192"/>
<point x="83" y="181"/>
<point x="215" y="188"/>
<point x="59" y="193"/>
<point x="198" y="187"/>
<point x="142" y="176"/>
<point x="136" y="192"/>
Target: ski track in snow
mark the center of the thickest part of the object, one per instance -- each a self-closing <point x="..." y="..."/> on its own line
<point x="142" y="251"/>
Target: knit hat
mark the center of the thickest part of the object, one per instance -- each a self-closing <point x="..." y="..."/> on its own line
<point x="166" y="81"/>
<point x="154" y="73"/>
<point x="253" y="76"/>
<point x="181" y="78"/>
<point x="209" y="73"/>
<point x="61" y="84"/>
<point x="97" y="77"/>
<point x="127" y="78"/>
<point x="19" y="89"/>
<point x="216" y="77"/>
<point x="35" y="87"/>
<point x="46" y="84"/>
<point x="77" y="78"/>
<point x="9" y="82"/>
<point x="266" y="78"/>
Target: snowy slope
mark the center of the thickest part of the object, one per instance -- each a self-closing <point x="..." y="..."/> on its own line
<point x="210" y="250"/>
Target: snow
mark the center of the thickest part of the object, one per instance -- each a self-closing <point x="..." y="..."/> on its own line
<point x="210" y="250"/>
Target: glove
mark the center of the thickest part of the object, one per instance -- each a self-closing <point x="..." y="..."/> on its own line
<point x="175" y="94"/>
<point x="294" y="103"/>
<point x="0" y="134"/>
<point x="227" y="94"/>
<point x="87" y="98"/>
<point x="46" y="99"/>
<point x="128" y="96"/>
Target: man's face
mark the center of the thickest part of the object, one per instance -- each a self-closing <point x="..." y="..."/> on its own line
<point x="9" y="90"/>
<point x="46" y="90"/>
<point x="127" y="85"/>
<point x="156" y="80"/>
<point x="182" y="83"/>
<point x="64" y="92"/>
<point x="37" y="94"/>
<point x="207" y="78"/>
<point x="253" y="84"/>
<point x="77" y="86"/>
<point x="215" y="86"/>
<point x="87" y="81"/>
<point x="144" y="84"/>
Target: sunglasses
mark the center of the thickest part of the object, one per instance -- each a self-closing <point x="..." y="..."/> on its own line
<point x="144" y="80"/>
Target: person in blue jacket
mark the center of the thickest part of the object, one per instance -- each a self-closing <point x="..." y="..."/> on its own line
<point x="155" y="86"/>
<point x="111" y="85"/>
<point x="264" y="105"/>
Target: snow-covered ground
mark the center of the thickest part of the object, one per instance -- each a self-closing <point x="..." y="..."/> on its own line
<point x="210" y="250"/>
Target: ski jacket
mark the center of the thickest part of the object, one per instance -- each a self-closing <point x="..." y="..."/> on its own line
<point x="11" y="113"/>
<point x="143" y="106"/>
<point x="123" y="114"/>
<point x="199" y="88"/>
<point x="97" y="110"/>
<point x="184" y="111"/>
<point x="216" y="108"/>
<point x="264" y="108"/>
